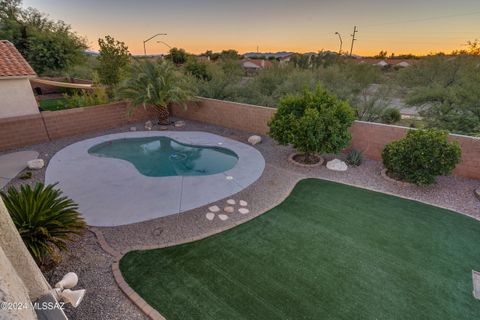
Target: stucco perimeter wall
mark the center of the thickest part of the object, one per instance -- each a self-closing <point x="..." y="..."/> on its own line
<point x="366" y="136"/>
<point x="48" y="125"/>
<point x="16" y="98"/>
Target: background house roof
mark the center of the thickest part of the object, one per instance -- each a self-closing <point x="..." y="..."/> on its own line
<point x="12" y="63"/>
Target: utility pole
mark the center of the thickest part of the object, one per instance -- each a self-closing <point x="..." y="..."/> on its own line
<point x="355" y="30"/>
<point x="341" y="43"/>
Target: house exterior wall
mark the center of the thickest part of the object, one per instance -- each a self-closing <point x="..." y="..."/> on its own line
<point x="16" y="98"/>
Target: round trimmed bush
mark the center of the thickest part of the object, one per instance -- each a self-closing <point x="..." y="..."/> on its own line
<point x="313" y="122"/>
<point x="421" y="156"/>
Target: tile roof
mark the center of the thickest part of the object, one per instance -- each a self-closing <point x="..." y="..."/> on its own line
<point x="12" y="63"/>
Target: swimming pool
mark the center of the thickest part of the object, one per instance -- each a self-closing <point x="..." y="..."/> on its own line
<point x="164" y="156"/>
<point x="110" y="188"/>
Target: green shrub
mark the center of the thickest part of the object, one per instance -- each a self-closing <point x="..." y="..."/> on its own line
<point x="313" y="122"/>
<point x="354" y="158"/>
<point x="421" y="156"/>
<point x="391" y="115"/>
<point x="44" y="218"/>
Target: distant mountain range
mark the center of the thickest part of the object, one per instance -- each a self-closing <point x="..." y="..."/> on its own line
<point x="267" y="55"/>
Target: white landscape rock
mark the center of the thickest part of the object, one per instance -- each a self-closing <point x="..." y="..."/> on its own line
<point x="214" y="209"/>
<point x="180" y="124"/>
<point x="148" y="125"/>
<point x="223" y="217"/>
<point x="243" y="210"/>
<point x="229" y="209"/>
<point x="477" y="193"/>
<point x="36" y="164"/>
<point x="231" y="202"/>
<point x="243" y="203"/>
<point x="210" y="216"/>
<point x="337" y="165"/>
<point x="253" y="140"/>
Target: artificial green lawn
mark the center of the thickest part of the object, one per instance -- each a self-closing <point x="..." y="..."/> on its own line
<point x="329" y="251"/>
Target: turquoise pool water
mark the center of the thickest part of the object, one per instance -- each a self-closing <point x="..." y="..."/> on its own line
<point x="163" y="156"/>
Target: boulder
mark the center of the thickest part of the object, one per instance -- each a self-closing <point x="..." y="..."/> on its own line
<point x="148" y="125"/>
<point x="253" y="140"/>
<point x="231" y="202"/>
<point x="179" y="124"/>
<point x="337" y="165"/>
<point x="243" y="203"/>
<point x="477" y="193"/>
<point x="36" y="164"/>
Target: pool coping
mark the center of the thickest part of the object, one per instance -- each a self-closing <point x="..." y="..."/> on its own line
<point x="103" y="201"/>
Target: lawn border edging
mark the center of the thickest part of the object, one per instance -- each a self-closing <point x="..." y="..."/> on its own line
<point x="154" y="314"/>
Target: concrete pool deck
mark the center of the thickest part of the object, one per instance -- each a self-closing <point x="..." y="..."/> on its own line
<point x="112" y="192"/>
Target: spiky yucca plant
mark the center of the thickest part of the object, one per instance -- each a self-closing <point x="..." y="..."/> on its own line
<point x="156" y="84"/>
<point x="45" y="219"/>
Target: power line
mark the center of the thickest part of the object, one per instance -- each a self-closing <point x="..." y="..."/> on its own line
<point x="423" y="19"/>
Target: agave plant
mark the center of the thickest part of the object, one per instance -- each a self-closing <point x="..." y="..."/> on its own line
<point x="45" y="219"/>
<point x="157" y="84"/>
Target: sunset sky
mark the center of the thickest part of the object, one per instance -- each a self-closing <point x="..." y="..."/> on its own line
<point x="408" y="26"/>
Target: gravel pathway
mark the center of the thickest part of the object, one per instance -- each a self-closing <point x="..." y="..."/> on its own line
<point x="104" y="300"/>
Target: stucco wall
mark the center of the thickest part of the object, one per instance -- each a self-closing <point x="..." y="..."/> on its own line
<point x="16" y="98"/>
<point x="13" y="290"/>
<point x="20" y="258"/>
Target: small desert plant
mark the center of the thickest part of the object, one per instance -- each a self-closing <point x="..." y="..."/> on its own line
<point x="421" y="156"/>
<point x="45" y="219"/>
<point x="391" y="115"/>
<point x="354" y="158"/>
<point x="313" y="122"/>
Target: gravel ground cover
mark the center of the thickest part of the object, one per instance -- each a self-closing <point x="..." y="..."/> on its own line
<point x="106" y="301"/>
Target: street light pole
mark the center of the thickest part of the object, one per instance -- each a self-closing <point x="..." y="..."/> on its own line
<point x="341" y="42"/>
<point x="145" y="41"/>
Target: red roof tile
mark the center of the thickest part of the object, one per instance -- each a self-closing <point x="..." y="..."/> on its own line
<point x="12" y="63"/>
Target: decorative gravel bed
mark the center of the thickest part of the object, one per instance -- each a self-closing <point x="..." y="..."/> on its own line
<point x="104" y="300"/>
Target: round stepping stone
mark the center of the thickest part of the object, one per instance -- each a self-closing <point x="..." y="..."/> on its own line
<point x="243" y="210"/>
<point x="243" y="203"/>
<point x="229" y="209"/>
<point x="214" y="209"/>
<point x="231" y="202"/>
<point x="223" y="217"/>
<point x="210" y="216"/>
<point x="229" y="178"/>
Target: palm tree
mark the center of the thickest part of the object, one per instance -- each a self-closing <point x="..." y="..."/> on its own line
<point x="156" y="84"/>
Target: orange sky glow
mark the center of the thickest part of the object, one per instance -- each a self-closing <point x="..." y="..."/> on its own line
<point x="418" y="27"/>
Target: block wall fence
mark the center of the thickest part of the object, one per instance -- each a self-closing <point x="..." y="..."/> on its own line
<point x="50" y="125"/>
<point x="368" y="137"/>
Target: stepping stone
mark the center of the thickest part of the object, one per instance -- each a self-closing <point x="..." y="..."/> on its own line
<point x="223" y="217"/>
<point x="229" y="209"/>
<point x="243" y="210"/>
<point x="214" y="209"/>
<point x="243" y="203"/>
<point x="231" y="202"/>
<point x="229" y="178"/>
<point x="210" y="216"/>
